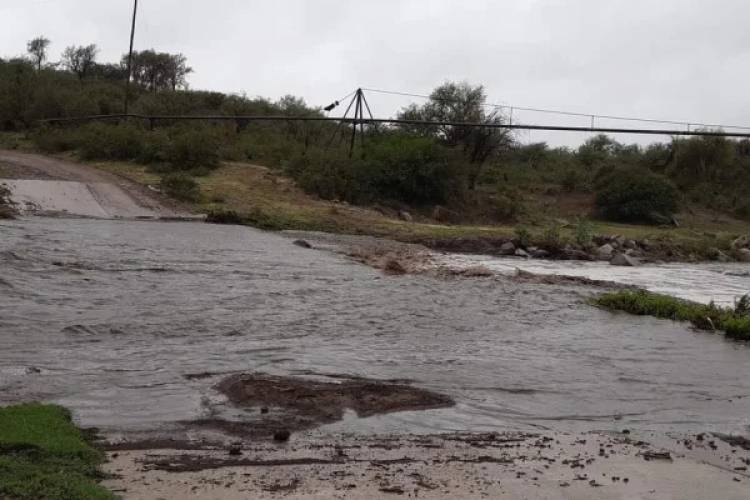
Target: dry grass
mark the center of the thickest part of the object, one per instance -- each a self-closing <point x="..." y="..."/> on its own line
<point x="250" y="190"/>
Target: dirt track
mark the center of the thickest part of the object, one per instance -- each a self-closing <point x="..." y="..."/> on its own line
<point x="41" y="184"/>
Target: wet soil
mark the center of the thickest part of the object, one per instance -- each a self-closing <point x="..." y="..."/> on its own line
<point x="507" y="465"/>
<point x="288" y="404"/>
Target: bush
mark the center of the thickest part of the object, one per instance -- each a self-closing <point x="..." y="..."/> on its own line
<point x="735" y="322"/>
<point x="584" y="232"/>
<point x="636" y="195"/>
<point x="413" y="170"/>
<point x="190" y="147"/>
<point x="181" y="187"/>
<point x="56" y="140"/>
<point x="103" y="141"/>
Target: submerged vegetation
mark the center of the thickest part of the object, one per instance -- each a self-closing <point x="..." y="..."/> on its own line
<point x="734" y="321"/>
<point x="43" y="455"/>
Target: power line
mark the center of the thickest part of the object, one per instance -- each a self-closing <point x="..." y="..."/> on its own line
<point x="565" y="113"/>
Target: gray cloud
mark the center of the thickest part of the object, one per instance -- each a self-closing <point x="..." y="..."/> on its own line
<point x="673" y="59"/>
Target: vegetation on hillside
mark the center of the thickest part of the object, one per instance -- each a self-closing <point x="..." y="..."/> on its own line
<point x="448" y="174"/>
<point x="43" y="455"/>
<point x="734" y="321"/>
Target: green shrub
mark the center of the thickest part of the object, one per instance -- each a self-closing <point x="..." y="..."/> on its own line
<point x="523" y="235"/>
<point x="552" y="237"/>
<point x="181" y="187"/>
<point x="572" y="180"/>
<point x="636" y="195"/>
<point x="414" y="170"/>
<point x="584" y="232"/>
<point x="735" y="322"/>
<point x="193" y="147"/>
<point x="224" y="217"/>
<point x="105" y="141"/>
<point x="56" y="140"/>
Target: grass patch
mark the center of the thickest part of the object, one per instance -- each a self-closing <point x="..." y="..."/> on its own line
<point x="43" y="455"/>
<point x="734" y="321"/>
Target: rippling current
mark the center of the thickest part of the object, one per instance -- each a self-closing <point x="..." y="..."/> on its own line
<point x="107" y="318"/>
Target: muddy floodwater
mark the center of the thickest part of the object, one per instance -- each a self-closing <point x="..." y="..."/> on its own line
<point x="120" y="321"/>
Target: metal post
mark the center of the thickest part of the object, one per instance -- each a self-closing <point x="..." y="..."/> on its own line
<point x="130" y="57"/>
<point x="357" y="117"/>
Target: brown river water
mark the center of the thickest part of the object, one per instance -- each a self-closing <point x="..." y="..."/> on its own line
<point x="108" y="318"/>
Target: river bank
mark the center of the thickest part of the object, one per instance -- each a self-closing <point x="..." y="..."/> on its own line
<point x="262" y="197"/>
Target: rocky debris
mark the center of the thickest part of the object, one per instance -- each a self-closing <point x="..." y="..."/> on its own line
<point x="743" y="255"/>
<point x="475" y="272"/>
<point x="540" y="253"/>
<point x="405" y="216"/>
<point x="393" y="266"/>
<point x="605" y="251"/>
<point x="302" y="243"/>
<point x="656" y="455"/>
<point x="735" y="441"/>
<point x="442" y="214"/>
<point x="508" y="248"/>
<point x="282" y="435"/>
<point x="741" y="242"/>
<point x="520" y="252"/>
<point x="622" y="259"/>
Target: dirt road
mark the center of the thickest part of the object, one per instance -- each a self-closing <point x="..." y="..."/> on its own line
<point x="51" y="186"/>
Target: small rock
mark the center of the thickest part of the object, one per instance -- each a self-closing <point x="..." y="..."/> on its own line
<point x="394" y="267"/>
<point x="743" y="255"/>
<point x="631" y="244"/>
<point x="281" y="435"/>
<point x="540" y="253"/>
<point x="405" y="216"/>
<point x="605" y="251"/>
<point x="32" y="370"/>
<point x="620" y="241"/>
<point x="741" y="242"/>
<point x="624" y="260"/>
<point x="477" y="272"/>
<point x="508" y="248"/>
<point x="302" y="243"/>
<point x="235" y="449"/>
<point x="520" y="252"/>
<point x="264" y="410"/>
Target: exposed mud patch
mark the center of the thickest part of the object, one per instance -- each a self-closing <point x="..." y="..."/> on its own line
<point x="294" y="404"/>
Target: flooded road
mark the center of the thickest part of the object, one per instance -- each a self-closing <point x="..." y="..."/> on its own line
<point x="108" y="318"/>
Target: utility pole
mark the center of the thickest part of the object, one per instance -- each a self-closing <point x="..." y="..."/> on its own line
<point x="130" y="57"/>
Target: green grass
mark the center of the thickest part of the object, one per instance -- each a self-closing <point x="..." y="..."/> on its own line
<point x="43" y="455"/>
<point x="735" y="322"/>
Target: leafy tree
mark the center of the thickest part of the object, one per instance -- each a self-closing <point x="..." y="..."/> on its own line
<point x="636" y="195"/>
<point x="80" y="60"/>
<point x="37" y="48"/>
<point x="157" y="71"/>
<point x="461" y="102"/>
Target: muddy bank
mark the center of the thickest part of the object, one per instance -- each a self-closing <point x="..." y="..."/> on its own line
<point x="281" y="405"/>
<point x="511" y="465"/>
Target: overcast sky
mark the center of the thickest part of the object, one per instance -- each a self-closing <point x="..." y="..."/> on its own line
<point x="685" y="60"/>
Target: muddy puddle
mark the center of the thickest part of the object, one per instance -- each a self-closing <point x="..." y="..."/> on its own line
<point x="132" y="325"/>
